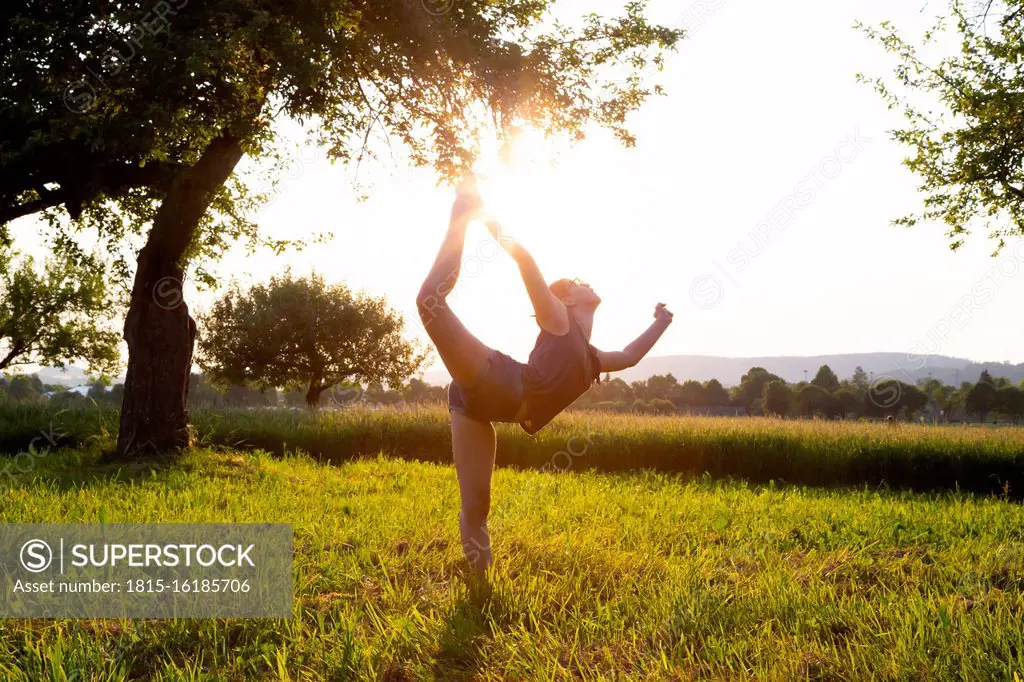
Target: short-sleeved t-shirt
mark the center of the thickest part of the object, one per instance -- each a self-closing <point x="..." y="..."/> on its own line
<point x="560" y="370"/>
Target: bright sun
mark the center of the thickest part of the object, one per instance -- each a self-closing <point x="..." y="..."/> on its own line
<point x="516" y="178"/>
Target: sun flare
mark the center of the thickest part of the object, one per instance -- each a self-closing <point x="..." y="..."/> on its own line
<point x="516" y="177"/>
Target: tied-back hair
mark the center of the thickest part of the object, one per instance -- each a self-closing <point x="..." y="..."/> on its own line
<point x="560" y="288"/>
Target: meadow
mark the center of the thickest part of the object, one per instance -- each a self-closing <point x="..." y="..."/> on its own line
<point x="602" y="572"/>
<point x="969" y="458"/>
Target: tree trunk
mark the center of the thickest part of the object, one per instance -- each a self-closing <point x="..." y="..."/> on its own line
<point x="158" y="329"/>
<point x="313" y="394"/>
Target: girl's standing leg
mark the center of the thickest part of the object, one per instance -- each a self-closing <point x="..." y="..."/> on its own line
<point x="473" y="446"/>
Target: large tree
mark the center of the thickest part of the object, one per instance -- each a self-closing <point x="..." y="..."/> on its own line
<point x="131" y="117"/>
<point x="55" y="313"/>
<point x="965" y="116"/>
<point x="300" y="330"/>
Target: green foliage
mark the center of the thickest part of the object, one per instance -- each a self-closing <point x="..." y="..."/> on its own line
<point x="1010" y="402"/>
<point x="56" y="314"/>
<point x="661" y="406"/>
<point x="692" y="393"/>
<point x="848" y="401"/>
<point x="860" y="380"/>
<point x="105" y="106"/>
<point x="22" y="389"/>
<point x="813" y="400"/>
<point x="304" y="331"/>
<point x="852" y="398"/>
<point x="826" y="379"/>
<point x="778" y="399"/>
<point x="964" y="118"/>
<point x="981" y="399"/>
<point x="888" y="397"/>
<point x="752" y="385"/>
<point x="715" y="393"/>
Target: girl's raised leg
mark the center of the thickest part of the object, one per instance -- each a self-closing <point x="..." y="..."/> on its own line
<point x="463" y="354"/>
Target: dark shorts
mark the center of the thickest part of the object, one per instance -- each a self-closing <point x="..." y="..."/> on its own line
<point x="495" y="396"/>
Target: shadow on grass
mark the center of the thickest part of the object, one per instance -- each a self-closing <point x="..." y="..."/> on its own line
<point x="466" y="630"/>
<point x="67" y="469"/>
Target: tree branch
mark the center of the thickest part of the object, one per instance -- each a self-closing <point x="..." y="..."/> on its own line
<point x="111" y="180"/>
<point x="16" y="350"/>
<point x="1016" y="191"/>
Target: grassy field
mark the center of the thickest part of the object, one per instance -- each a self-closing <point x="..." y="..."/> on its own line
<point x="629" y="575"/>
<point x="977" y="459"/>
<point x="759" y="549"/>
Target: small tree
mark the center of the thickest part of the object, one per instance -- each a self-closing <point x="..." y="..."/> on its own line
<point x="97" y="390"/>
<point x="826" y="379"/>
<point x="1010" y="402"/>
<point x="813" y="399"/>
<point x="302" y="330"/>
<point x="56" y="314"/>
<point x="23" y="389"/>
<point x="847" y="401"/>
<point x="777" y="398"/>
<point x="752" y="384"/>
<point x="715" y="393"/>
<point x="912" y="399"/>
<point x="691" y="394"/>
<point x="860" y="380"/>
<point x="661" y="406"/>
<point x="981" y="399"/>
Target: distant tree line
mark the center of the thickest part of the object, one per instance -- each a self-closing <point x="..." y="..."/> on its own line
<point x="30" y="389"/>
<point x="826" y="396"/>
<point x="759" y="393"/>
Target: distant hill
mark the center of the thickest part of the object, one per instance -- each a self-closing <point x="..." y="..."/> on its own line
<point x="947" y="369"/>
<point x="72" y="376"/>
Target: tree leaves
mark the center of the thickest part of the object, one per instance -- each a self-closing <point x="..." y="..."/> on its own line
<point x="302" y="331"/>
<point x="968" y="149"/>
<point x="57" y="315"/>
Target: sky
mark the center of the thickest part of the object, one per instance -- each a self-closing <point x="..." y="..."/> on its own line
<point x="763" y="115"/>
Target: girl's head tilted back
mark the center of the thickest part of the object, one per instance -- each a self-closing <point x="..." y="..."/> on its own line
<point x="573" y="292"/>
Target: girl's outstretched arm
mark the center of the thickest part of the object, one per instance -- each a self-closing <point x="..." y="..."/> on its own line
<point x="551" y="313"/>
<point x="613" y="361"/>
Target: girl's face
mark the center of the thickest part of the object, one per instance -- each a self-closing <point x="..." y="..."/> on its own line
<point x="581" y="293"/>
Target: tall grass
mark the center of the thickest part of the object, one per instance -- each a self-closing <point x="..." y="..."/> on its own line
<point x="631" y="576"/>
<point x="822" y="453"/>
